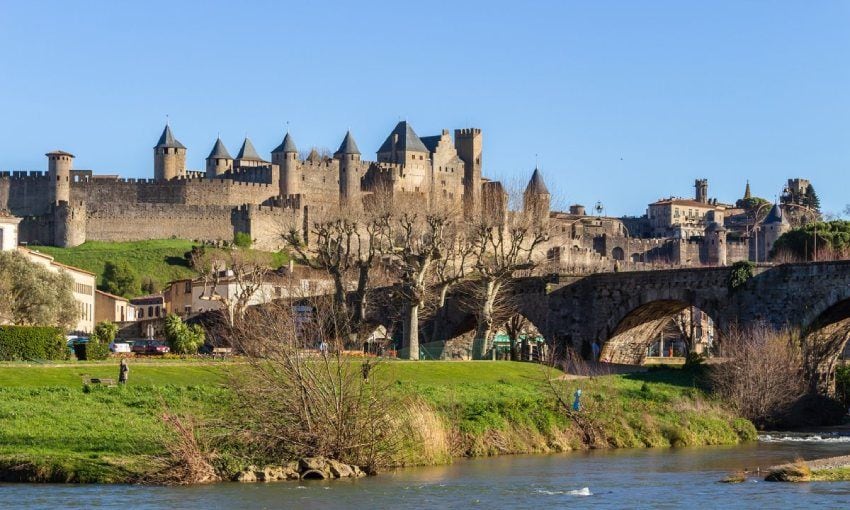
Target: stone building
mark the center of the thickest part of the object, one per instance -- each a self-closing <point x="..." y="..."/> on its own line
<point x="246" y="193"/>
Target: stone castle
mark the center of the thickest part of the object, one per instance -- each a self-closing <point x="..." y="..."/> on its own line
<point x="66" y="207"/>
<point x="249" y="194"/>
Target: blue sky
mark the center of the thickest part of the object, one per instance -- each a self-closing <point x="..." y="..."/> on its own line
<point x="622" y="101"/>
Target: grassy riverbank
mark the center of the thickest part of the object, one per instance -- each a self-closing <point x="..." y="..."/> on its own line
<point x="54" y="430"/>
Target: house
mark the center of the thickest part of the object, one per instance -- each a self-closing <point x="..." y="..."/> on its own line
<point x="109" y="307"/>
<point x="190" y="296"/>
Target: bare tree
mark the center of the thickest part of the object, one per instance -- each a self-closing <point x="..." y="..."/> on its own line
<point x="763" y="375"/>
<point x="516" y="329"/>
<point x="297" y="401"/>
<point x="450" y="269"/>
<point x="347" y="244"/>
<point x="234" y="278"/>
<point x="418" y="241"/>
<point x="503" y="242"/>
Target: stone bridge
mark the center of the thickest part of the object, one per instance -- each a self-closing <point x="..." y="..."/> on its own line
<point x="625" y="311"/>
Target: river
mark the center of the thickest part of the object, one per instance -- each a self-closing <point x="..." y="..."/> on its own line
<point x="646" y="478"/>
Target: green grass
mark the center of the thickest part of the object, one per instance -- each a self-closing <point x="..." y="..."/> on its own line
<point x="838" y="474"/>
<point x="160" y="259"/>
<point x="48" y="421"/>
<point x="141" y="374"/>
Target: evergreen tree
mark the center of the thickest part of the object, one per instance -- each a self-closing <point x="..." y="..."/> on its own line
<point x="811" y="199"/>
<point x="120" y="279"/>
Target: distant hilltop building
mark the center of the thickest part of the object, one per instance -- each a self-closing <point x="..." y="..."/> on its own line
<point x="247" y="193"/>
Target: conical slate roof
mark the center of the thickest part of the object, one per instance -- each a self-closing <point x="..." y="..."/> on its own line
<point x="248" y="152"/>
<point x="219" y="151"/>
<point x="408" y="140"/>
<point x="167" y="140"/>
<point x="536" y="184"/>
<point x="747" y="194"/>
<point x="775" y="216"/>
<point x="348" y="145"/>
<point x="287" y="145"/>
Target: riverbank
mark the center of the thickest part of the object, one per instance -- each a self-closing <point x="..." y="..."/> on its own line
<point x="51" y="429"/>
<point x="828" y="469"/>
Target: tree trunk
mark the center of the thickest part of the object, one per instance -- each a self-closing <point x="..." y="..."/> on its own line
<point x="484" y="329"/>
<point x="339" y="295"/>
<point x="411" y="330"/>
<point x="440" y="315"/>
<point x="360" y="303"/>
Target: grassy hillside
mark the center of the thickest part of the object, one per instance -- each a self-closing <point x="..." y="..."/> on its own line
<point x="63" y="433"/>
<point x="160" y="259"/>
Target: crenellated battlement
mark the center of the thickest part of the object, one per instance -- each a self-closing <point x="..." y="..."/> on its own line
<point x="20" y="175"/>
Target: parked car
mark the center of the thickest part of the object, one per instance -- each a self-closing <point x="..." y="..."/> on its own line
<point x="120" y="347"/>
<point x="149" y="347"/>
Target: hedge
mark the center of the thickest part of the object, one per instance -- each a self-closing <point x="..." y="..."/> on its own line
<point x="31" y="343"/>
<point x="91" y="350"/>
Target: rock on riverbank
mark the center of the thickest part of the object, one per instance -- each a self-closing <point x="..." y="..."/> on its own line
<point x="308" y="468"/>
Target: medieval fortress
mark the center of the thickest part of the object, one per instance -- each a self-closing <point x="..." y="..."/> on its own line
<point x="66" y="207"/>
<point x="248" y="193"/>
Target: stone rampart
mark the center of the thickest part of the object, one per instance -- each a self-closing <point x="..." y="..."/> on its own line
<point x="136" y="222"/>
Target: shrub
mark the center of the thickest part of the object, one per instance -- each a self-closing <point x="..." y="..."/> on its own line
<point x="91" y="350"/>
<point x="242" y="239"/>
<point x="741" y="272"/>
<point x="182" y="338"/>
<point x="31" y="343"/>
<point x="104" y="332"/>
<point x="763" y="375"/>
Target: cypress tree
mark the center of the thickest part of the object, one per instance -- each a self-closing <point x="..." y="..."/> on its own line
<point x="811" y="199"/>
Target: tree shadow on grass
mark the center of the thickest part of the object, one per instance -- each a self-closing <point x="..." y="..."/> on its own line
<point x="177" y="261"/>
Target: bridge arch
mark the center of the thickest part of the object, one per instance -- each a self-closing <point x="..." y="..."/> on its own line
<point x="825" y="338"/>
<point x="645" y="325"/>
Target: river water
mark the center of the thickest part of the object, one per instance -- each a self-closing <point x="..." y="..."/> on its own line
<point x="646" y="478"/>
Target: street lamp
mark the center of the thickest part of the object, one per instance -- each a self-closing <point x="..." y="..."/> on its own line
<point x="753" y="230"/>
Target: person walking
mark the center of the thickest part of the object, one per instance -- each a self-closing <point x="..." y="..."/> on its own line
<point x="123" y="371"/>
<point x="596" y="350"/>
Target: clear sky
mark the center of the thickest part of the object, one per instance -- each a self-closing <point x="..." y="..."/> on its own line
<point x="622" y="101"/>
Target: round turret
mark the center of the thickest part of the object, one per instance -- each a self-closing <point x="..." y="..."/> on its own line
<point x="773" y="226"/>
<point x="285" y="156"/>
<point x="219" y="162"/>
<point x="349" y="171"/>
<point x="59" y="165"/>
<point x="169" y="157"/>
<point x="715" y="239"/>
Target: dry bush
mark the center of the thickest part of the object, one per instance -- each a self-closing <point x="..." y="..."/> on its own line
<point x="189" y="456"/>
<point x="297" y="400"/>
<point x="763" y="375"/>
